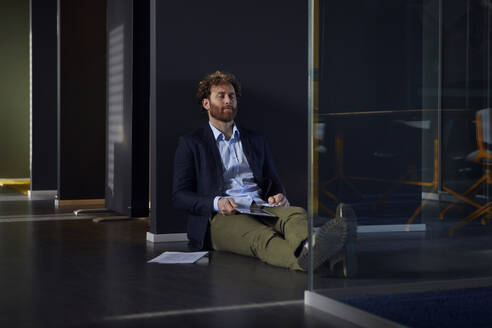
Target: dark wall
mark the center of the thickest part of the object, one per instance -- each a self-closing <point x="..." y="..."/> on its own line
<point x="141" y="108"/>
<point x="370" y="57"/>
<point x="82" y="99"/>
<point x="265" y="45"/>
<point x="127" y="161"/>
<point x="44" y="94"/>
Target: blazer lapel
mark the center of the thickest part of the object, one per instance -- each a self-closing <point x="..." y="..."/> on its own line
<point x="213" y="151"/>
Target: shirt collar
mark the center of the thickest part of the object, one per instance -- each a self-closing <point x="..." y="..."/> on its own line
<point x="218" y="134"/>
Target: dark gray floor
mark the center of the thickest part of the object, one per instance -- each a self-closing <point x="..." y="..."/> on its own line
<point x="57" y="270"/>
<point x="72" y="272"/>
<point x="418" y="257"/>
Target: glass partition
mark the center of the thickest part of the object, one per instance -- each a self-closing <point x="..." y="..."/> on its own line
<point x="400" y="130"/>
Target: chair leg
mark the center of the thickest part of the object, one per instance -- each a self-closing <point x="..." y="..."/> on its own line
<point x="465" y="199"/>
<point x="460" y="205"/>
<point x="473" y="189"/>
<point x="326" y="209"/>
<point x="477" y="213"/>
<point x="419" y="209"/>
<point x="332" y="196"/>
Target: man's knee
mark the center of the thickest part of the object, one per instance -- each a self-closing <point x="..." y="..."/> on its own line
<point x="261" y="240"/>
<point x="298" y="210"/>
<point x="291" y="212"/>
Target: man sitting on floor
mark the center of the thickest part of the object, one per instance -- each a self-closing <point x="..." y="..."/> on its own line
<point x="223" y="169"/>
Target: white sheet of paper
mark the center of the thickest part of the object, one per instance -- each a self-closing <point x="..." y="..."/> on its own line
<point x="178" y="257"/>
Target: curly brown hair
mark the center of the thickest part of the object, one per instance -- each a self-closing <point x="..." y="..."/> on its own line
<point x="217" y="78"/>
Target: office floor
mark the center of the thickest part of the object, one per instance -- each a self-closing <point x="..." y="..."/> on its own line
<point x="58" y="270"/>
<point x="432" y="256"/>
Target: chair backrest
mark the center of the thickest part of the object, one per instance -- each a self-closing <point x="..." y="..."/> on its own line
<point x="484" y="116"/>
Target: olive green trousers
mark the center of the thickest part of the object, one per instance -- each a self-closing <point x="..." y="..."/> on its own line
<point x="272" y="240"/>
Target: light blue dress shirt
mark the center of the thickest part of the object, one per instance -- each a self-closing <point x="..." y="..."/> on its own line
<point x="238" y="177"/>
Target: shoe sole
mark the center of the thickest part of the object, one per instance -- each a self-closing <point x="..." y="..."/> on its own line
<point x="330" y="239"/>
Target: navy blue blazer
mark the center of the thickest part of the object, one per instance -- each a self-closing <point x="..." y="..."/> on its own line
<point x="198" y="176"/>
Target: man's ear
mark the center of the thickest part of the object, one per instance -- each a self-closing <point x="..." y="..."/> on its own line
<point x="206" y="103"/>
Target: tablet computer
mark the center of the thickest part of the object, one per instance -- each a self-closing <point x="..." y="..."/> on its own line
<point x="255" y="211"/>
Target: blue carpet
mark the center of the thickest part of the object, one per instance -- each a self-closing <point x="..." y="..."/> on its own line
<point x="471" y="307"/>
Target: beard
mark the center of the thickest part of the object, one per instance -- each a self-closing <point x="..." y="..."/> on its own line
<point x="222" y="113"/>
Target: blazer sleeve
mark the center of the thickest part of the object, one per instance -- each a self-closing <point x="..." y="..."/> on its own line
<point x="185" y="195"/>
<point x="270" y="172"/>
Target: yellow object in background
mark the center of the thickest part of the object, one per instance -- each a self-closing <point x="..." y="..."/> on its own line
<point x="20" y="185"/>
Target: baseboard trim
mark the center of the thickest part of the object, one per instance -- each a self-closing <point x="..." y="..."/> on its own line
<point x="392" y="228"/>
<point x="442" y="196"/>
<point x="346" y="312"/>
<point x="62" y="202"/>
<point x="383" y="228"/>
<point x="41" y="194"/>
<point x="166" y="237"/>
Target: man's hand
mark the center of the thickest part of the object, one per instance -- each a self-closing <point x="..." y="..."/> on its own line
<point x="227" y="206"/>
<point x="278" y="200"/>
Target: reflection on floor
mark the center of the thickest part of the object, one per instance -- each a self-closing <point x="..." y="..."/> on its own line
<point x="420" y="256"/>
<point x="58" y="270"/>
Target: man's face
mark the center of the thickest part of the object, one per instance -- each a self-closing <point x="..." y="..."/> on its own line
<point x="222" y="102"/>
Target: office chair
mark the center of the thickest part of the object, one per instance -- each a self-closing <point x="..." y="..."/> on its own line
<point x="483" y="155"/>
